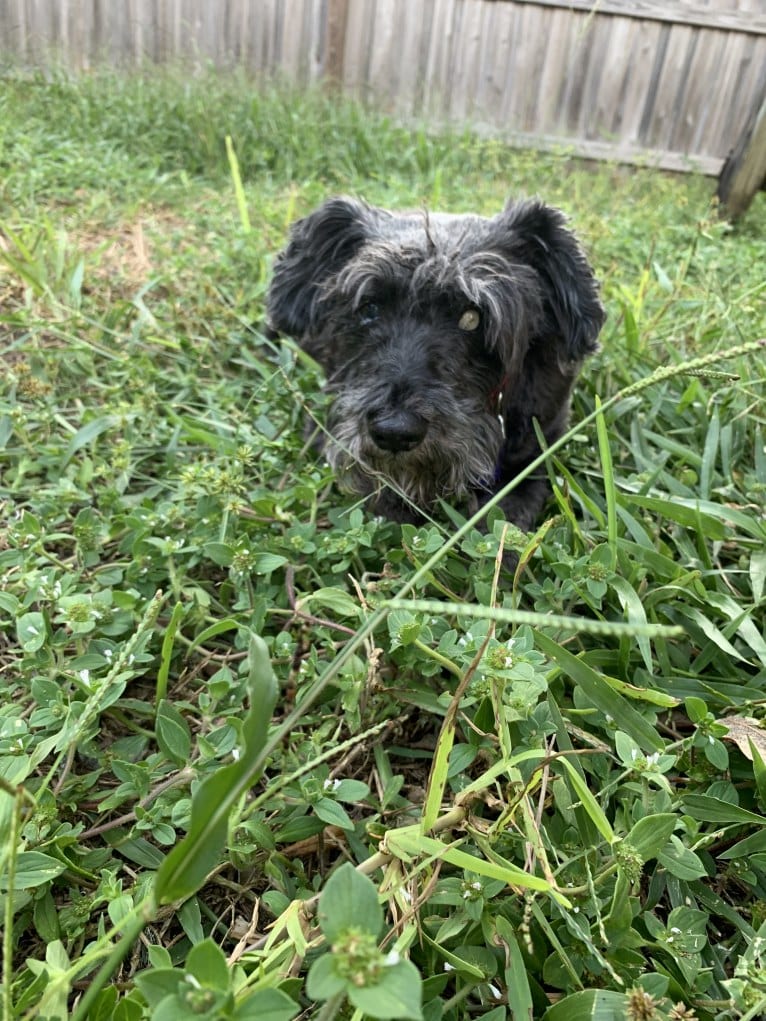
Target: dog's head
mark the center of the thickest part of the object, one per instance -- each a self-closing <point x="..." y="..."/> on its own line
<point x="438" y="335"/>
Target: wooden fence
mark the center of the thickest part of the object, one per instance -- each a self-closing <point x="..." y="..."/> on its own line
<point x="667" y="82"/>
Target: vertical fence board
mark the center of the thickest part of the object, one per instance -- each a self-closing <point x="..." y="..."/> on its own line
<point x="678" y="79"/>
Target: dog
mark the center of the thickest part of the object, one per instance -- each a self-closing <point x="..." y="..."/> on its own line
<point x="443" y="338"/>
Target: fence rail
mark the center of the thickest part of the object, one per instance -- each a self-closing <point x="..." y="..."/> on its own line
<point x="666" y="82"/>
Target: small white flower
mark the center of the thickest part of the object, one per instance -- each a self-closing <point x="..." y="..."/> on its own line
<point x="676" y="930"/>
<point x="392" y="957"/>
<point x="236" y="754"/>
<point x="108" y="655"/>
<point x="653" y="759"/>
<point x="448" y="966"/>
<point x="331" y="785"/>
<point x="494" y="991"/>
<point x="85" y="677"/>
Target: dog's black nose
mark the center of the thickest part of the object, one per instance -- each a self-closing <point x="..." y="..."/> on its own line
<point x="396" y="431"/>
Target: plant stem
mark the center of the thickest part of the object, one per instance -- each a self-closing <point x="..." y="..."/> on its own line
<point x="111" y="964"/>
<point x="438" y="658"/>
<point x="13" y="838"/>
<point x="331" y="1007"/>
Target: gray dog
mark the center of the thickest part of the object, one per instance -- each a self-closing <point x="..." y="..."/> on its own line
<point x="442" y="337"/>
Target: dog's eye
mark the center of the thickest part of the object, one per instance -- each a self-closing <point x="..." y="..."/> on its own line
<point x="368" y="313"/>
<point x="469" y="320"/>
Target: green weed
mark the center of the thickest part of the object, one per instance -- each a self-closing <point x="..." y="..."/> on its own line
<point x="262" y="753"/>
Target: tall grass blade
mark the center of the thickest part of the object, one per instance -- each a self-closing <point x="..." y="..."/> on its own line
<point x="601" y="695"/>
<point x="186" y="867"/>
<point x="239" y="191"/>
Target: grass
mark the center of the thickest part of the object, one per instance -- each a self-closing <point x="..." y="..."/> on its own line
<point x="262" y="754"/>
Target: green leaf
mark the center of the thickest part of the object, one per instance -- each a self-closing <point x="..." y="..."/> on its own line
<point x="758" y="573"/>
<point x="589" y="1005"/>
<point x="631" y="603"/>
<point x="219" y="552"/>
<point x="589" y="803"/>
<point x="696" y="709"/>
<point x="9" y="604"/>
<point x="396" y="995"/>
<point x="349" y="901"/>
<point x="351" y="790"/>
<point x="190" y="917"/>
<point x="680" y="861"/>
<point x="754" y="844"/>
<point x="186" y="867"/>
<point x="265" y="563"/>
<point x="408" y="843"/>
<point x="87" y="433"/>
<point x="456" y="963"/>
<point x="172" y="732"/>
<point x="648" y="836"/>
<point x="516" y="979"/>
<point x="31" y="631"/>
<point x="167" y="650"/>
<point x="266" y="1005"/>
<point x="332" y="813"/>
<point x="610" y="491"/>
<point x="759" y="773"/>
<point x="712" y="633"/>
<point x="601" y="695"/>
<point x="157" y="983"/>
<point x="706" y="809"/>
<point x="220" y="626"/>
<point x="334" y="599"/>
<point x="33" y="868"/>
<point x="207" y="963"/>
<point x="323" y="982"/>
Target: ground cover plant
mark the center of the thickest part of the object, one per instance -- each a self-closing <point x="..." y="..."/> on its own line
<point x="263" y="755"/>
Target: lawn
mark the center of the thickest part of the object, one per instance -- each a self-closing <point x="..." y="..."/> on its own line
<point x="263" y="754"/>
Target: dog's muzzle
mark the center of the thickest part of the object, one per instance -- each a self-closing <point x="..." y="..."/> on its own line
<point x="397" y="430"/>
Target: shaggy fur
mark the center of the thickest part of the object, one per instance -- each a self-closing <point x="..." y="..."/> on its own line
<point x="442" y="338"/>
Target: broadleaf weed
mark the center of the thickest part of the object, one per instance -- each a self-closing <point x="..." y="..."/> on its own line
<point x="152" y="439"/>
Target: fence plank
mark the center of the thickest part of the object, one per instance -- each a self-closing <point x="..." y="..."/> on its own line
<point x="675" y="12"/>
<point x="674" y="79"/>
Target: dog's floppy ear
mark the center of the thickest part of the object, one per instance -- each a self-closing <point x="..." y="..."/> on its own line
<point x="536" y="234"/>
<point x="319" y="246"/>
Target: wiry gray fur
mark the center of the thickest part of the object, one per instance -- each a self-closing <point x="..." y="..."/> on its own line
<point x="442" y="338"/>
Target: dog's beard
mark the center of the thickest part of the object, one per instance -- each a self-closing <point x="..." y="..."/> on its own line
<point x="458" y="456"/>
